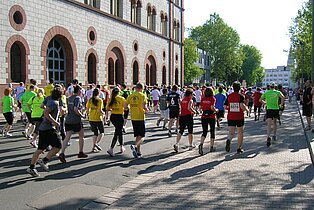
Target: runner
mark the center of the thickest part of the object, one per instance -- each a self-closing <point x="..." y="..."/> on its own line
<point x="7" y="110"/>
<point x="257" y="104"/>
<point x="24" y="99"/>
<point x="73" y="123"/>
<point x="125" y="94"/>
<point x="307" y="104"/>
<point x="208" y="117"/>
<point x="164" y="111"/>
<point x="249" y="100"/>
<point x="236" y="108"/>
<point x="155" y="96"/>
<point x="186" y="119"/>
<point x="198" y="97"/>
<point x="138" y="107"/>
<point x="116" y="106"/>
<point x="94" y="109"/>
<point x="19" y="91"/>
<point x="34" y="104"/>
<point x="220" y="101"/>
<point x="271" y="98"/>
<point x="49" y="87"/>
<point x="173" y="100"/>
<point x="48" y="134"/>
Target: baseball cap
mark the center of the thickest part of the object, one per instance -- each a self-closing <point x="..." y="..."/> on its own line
<point x="272" y="84"/>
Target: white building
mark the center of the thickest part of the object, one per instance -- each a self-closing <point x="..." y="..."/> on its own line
<point x="204" y="64"/>
<point x="99" y="41"/>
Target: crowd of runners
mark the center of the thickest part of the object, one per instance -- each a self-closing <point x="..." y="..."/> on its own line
<point x="53" y="113"/>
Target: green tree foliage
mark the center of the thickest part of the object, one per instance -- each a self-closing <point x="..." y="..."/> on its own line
<point x="301" y="41"/>
<point x="191" y="71"/>
<point x="223" y="45"/>
<point x="251" y="67"/>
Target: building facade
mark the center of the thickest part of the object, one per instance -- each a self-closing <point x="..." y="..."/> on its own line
<point x="203" y="63"/>
<point x="95" y="41"/>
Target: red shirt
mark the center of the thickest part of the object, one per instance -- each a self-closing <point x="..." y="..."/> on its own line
<point x="185" y="106"/>
<point x="206" y="104"/>
<point x="235" y="112"/>
<point x="257" y="95"/>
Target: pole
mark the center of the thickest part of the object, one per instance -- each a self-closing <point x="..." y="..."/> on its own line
<point x="302" y="82"/>
<point x="312" y="72"/>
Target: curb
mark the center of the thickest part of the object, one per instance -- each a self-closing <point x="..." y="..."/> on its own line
<point x="308" y="135"/>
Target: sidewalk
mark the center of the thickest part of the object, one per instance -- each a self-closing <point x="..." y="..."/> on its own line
<point x="279" y="177"/>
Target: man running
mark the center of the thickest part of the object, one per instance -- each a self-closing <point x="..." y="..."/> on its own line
<point x="138" y="107"/>
<point x="257" y="104"/>
<point x="271" y="98"/>
<point x="220" y="101"/>
<point x="174" y="108"/>
<point x="236" y="108"/>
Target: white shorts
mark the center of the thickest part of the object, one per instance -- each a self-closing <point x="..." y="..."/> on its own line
<point x="164" y="114"/>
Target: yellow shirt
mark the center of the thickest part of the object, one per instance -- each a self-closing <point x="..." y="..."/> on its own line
<point x="117" y="106"/>
<point x="95" y="114"/>
<point x="48" y="89"/>
<point x="136" y="101"/>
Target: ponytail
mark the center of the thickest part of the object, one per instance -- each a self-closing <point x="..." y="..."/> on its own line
<point x="114" y="94"/>
<point x="95" y="95"/>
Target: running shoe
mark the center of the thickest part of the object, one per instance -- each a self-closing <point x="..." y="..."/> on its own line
<point x="158" y="123"/>
<point x="24" y="134"/>
<point x="1" y="132"/>
<point x="7" y="134"/>
<point x="62" y="158"/>
<point x="176" y="148"/>
<point x="228" y="145"/>
<point x="110" y="152"/>
<point x="192" y="146"/>
<point x="34" y="144"/>
<point x="169" y="133"/>
<point x="212" y="149"/>
<point x="122" y="149"/>
<point x="134" y="152"/>
<point x="98" y="147"/>
<point x="32" y="172"/>
<point x="240" y="151"/>
<point x="200" y="149"/>
<point x="82" y="155"/>
<point x="268" y="142"/>
<point x="44" y="166"/>
<point x="139" y="155"/>
<point x="123" y="130"/>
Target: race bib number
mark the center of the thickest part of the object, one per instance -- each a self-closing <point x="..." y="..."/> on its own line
<point x="234" y="107"/>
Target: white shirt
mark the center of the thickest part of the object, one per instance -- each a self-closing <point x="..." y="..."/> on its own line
<point x="155" y="94"/>
<point x="198" y="95"/>
<point x="89" y="94"/>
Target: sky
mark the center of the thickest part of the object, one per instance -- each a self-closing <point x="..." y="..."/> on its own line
<point x="261" y="23"/>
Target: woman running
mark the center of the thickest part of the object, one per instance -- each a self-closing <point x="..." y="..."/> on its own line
<point x="7" y="109"/>
<point x="208" y="117"/>
<point x="116" y="106"/>
<point x="94" y="108"/>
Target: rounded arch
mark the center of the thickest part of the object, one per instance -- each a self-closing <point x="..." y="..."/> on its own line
<point x="135" y="71"/>
<point x="151" y="66"/>
<point x="91" y="60"/>
<point x="115" y="51"/>
<point x="65" y="37"/>
<point x="164" y="75"/>
<point x="25" y="51"/>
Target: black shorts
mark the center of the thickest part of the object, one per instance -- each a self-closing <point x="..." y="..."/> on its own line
<point x="250" y="103"/>
<point x="49" y="138"/>
<point x="197" y="103"/>
<point x="186" y="121"/>
<point x="29" y="117"/>
<point x="19" y="105"/>
<point x="257" y="108"/>
<point x="272" y="113"/>
<point x="237" y="123"/>
<point x="126" y="114"/>
<point x="104" y="109"/>
<point x="74" y="127"/>
<point x="96" y="126"/>
<point x="8" y="117"/>
<point x="36" y="121"/>
<point x="174" y="113"/>
<point x="138" y="128"/>
<point x="307" y="110"/>
<point x="221" y="114"/>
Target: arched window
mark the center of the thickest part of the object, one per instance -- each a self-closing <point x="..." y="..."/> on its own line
<point x="116" y="8"/>
<point x="176" y="76"/>
<point x="154" y="15"/>
<point x="164" y="73"/>
<point x="91" y="68"/>
<point x="147" y="74"/>
<point x="176" y="29"/>
<point x="149" y="17"/>
<point x="116" y="67"/>
<point x="56" y="62"/>
<point x="110" y="72"/>
<point x="16" y="63"/>
<point x="136" y="12"/>
<point x="135" y="72"/>
<point x="163" y="25"/>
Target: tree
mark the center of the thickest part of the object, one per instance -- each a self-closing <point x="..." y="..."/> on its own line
<point x="251" y="66"/>
<point x="301" y="42"/>
<point x="223" y="45"/>
<point x="191" y="71"/>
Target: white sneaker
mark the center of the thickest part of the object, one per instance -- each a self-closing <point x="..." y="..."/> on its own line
<point x="192" y="146"/>
<point x="122" y="149"/>
<point x="45" y="166"/>
<point x="7" y="134"/>
<point x="32" y="172"/>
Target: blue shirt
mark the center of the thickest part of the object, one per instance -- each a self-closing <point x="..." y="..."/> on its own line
<point x="220" y="101"/>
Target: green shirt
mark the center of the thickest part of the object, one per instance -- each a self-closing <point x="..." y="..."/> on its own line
<point x="7" y="102"/>
<point x="272" y="97"/>
<point x="35" y="103"/>
<point x="25" y="98"/>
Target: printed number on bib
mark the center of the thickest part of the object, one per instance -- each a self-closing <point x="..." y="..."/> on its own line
<point x="234" y="107"/>
<point x="172" y="101"/>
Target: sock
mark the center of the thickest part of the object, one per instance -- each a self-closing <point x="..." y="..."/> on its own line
<point x="32" y="166"/>
<point x="45" y="160"/>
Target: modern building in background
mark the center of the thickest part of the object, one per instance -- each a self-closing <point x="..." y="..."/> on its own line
<point x="94" y="41"/>
<point x="204" y="64"/>
<point x="280" y="75"/>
